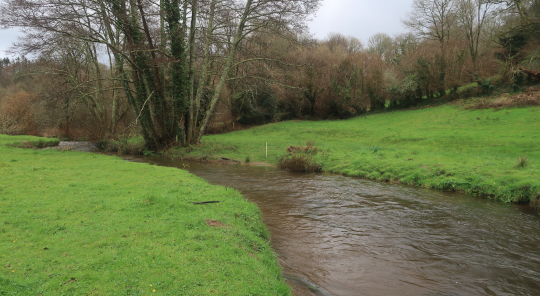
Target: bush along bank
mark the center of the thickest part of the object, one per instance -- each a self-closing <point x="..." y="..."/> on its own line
<point x="491" y="153"/>
<point x="79" y="223"/>
<point x="134" y="146"/>
<point x="301" y="159"/>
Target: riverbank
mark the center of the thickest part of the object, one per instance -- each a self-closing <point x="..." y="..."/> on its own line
<point x="492" y="153"/>
<point x="79" y="223"/>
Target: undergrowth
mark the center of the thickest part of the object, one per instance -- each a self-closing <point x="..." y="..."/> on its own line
<point x="134" y="146"/>
<point x="531" y="97"/>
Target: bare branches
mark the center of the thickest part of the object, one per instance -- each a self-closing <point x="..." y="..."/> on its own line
<point x="432" y="19"/>
<point x="152" y="55"/>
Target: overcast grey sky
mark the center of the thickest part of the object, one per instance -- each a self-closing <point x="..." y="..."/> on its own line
<point x="7" y="37"/>
<point x="359" y="18"/>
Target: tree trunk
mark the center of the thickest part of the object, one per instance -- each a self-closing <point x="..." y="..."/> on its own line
<point x="225" y="74"/>
<point x="206" y="64"/>
<point x="192" y="32"/>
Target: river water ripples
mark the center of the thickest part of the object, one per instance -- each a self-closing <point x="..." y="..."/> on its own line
<point x="345" y="236"/>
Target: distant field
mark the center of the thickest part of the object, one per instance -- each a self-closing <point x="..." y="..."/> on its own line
<point x="74" y="223"/>
<point x="446" y="148"/>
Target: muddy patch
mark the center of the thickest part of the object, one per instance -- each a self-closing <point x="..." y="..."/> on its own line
<point x="215" y="223"/>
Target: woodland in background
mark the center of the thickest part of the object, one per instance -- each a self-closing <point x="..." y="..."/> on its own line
<point x="213" y="66"/>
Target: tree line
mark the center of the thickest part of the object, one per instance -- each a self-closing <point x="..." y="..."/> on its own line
<point x="174" y="70"/>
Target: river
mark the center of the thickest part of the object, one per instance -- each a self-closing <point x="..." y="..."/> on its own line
<point x="337" y="235"/>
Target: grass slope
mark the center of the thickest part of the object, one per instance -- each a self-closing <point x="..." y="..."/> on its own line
<point x="74" y="223"/>
<point x="443" y="147"/>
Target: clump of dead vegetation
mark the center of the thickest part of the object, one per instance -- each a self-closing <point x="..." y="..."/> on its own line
<point x="531" y="97"/>
<point x="301" y="159"/>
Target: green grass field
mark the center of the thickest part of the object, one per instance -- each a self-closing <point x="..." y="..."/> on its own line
<point x="446" y="148"/>
<point x="74" y="223"/>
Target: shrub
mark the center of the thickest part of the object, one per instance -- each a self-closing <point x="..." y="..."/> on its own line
<point x="9" y="125"/>
<point x="300" y="159"/>
<point x="299" y="163"/>
<point x="15" y="114"/>
<point x="486" y="86"/>
<point x="124" y="146"/>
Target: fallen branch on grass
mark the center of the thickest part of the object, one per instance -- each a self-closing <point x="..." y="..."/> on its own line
<point x="204" y="202"/>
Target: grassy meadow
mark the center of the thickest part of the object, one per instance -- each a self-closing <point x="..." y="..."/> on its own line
<point x="74" y="223"/>
<point x="494" y="153"/>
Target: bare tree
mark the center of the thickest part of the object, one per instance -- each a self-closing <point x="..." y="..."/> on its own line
<point x="380" y="44"/>
<point x="433" y="19"/>
<point x="348" y="44"/>
<point x="243" y="20"/>
<point x="472" y="16"/>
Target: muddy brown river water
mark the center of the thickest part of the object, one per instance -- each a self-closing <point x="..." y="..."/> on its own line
<point x="344" y="236"/>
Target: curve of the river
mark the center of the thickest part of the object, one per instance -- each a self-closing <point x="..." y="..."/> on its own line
<point x="357" y="237"/>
